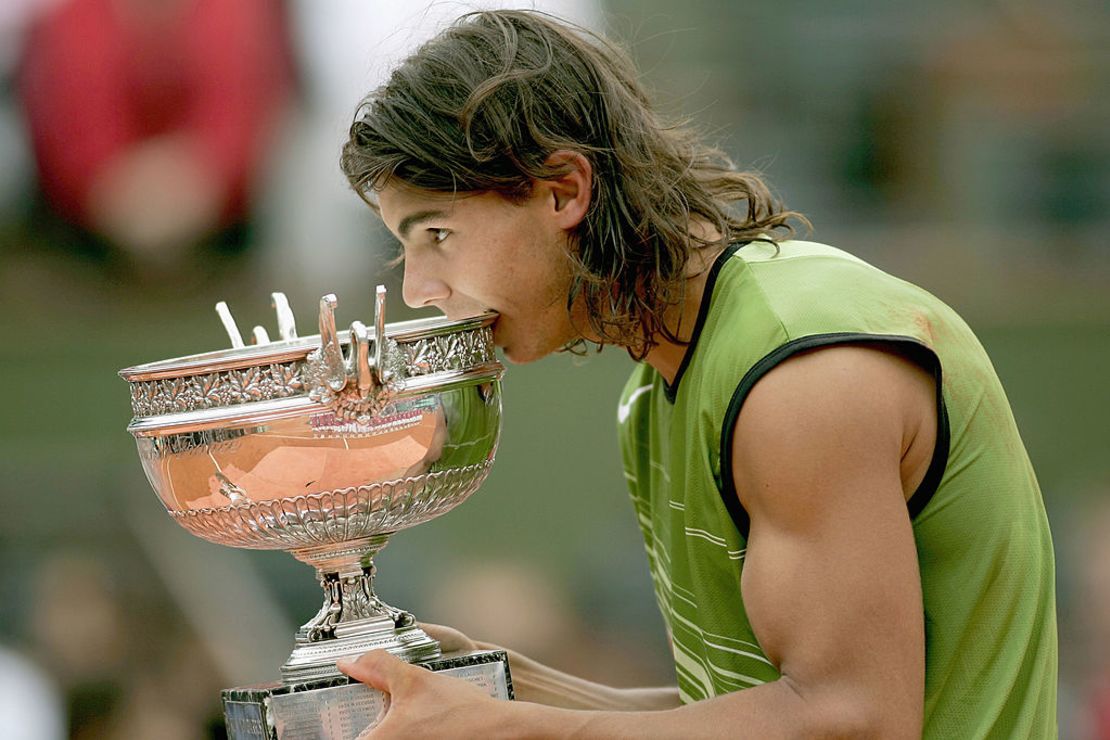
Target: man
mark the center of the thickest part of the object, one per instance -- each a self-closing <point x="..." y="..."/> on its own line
<point x="845" y="533"/>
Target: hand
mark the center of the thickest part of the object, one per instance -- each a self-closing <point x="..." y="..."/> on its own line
<point x="425" y="704"/>
<point x="451" y="640"/>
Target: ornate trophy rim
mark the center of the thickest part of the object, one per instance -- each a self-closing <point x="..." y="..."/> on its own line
<point x="295" y="404"/>
<point x="281" y="379"/>
<point x="293" y="349"/>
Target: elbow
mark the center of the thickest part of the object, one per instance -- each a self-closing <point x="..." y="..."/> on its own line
<point x="857" y="714"/>
<point x="842" y="720"/>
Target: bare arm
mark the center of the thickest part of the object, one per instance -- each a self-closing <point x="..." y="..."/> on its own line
<point x="541" y="684"/>
<point x="830" y="579"/>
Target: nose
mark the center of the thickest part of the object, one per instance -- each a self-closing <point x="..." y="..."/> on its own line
<point x="422" y="287"/>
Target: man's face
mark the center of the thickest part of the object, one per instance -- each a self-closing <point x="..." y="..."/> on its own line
<point x="465" y="254"/>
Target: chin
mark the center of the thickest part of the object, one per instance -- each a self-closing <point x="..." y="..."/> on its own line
<point x="518" y="357"/>
<point x="518" y="354"/>
<point x="534" y="347"/>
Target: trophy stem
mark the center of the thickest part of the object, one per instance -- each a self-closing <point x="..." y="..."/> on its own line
<point x="352" y="619"/>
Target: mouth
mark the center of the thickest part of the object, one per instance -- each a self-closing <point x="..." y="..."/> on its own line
<point x="455" y="315"/>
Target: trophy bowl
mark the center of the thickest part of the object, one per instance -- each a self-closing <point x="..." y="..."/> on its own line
<point x="324" y="446"/>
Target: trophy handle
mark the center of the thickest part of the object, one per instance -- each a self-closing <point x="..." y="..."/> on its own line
<point x="364" y="382"/>
<point x="332" y="368"/>
<point x="230" y="326"/>
<point x="287" y="324"/>
<point x="380" y="372"/>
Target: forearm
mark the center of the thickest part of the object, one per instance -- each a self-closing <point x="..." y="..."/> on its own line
<point x="541" y="684"/>
<point x="773" y="710"/>
<point x="768" y="711"/>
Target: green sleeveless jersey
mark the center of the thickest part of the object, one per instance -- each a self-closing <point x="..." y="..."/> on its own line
<point x="983" y="543"/>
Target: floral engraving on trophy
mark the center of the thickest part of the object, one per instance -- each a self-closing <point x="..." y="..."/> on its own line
<point x="283" y="380"/>
<point x="437" y="354"/>
<point x="214" y="390"/>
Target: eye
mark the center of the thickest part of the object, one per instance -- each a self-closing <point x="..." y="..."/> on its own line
<point x="438" y="235"/>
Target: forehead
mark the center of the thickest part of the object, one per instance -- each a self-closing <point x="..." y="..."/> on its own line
<point x="393" y="199"/>
<point x="399" y="202"/>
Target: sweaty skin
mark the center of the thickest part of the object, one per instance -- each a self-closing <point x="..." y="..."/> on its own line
<point x="846" y="632"/>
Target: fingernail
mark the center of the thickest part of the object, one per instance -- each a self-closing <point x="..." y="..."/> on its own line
<point x="344" y="663"/>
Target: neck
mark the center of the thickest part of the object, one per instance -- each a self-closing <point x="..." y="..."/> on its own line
<point x="666" y="356"/>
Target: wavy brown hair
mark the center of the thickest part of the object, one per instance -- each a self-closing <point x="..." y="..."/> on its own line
<point x="482" y="106"/>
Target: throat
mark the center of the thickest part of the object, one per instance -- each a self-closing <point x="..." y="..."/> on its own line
<point x="668" y="357"/>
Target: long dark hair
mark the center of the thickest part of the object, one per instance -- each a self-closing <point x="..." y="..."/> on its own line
<point x="480" y="108"/>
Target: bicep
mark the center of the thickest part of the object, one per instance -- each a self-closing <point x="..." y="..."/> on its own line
<point x="830" y="579"/>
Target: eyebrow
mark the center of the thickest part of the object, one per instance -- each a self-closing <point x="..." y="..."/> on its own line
<point x="413" y="218"/>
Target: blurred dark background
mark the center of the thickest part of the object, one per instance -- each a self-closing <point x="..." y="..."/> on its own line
<point x="160" y="155"/>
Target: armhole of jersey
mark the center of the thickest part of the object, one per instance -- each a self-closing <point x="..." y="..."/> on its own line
<point x="918" y="351"/>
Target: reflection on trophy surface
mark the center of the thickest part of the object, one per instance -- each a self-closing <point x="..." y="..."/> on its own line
<point x="325" y="446"/>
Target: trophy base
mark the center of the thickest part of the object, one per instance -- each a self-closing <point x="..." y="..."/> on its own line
<point x="339" y="708"/>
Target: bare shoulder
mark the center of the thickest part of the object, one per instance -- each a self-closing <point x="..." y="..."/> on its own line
<point x="854" y="411"/>
<point x="830" y="580"/>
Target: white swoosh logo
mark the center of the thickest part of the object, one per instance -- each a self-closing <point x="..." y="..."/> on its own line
<point x="624" y="410"/>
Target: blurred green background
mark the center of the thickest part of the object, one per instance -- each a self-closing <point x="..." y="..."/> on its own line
<point x="963" y="146"/>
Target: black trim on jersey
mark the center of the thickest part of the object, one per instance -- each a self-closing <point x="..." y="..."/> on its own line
<point x="920" y="353"/>
<point x="670" y="390"/>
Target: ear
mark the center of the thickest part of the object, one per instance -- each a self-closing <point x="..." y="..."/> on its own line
<point x="570" y="193"/>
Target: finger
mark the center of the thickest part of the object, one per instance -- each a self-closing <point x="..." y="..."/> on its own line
<point x="378" y="669"/>
<point x="449" y="639"/>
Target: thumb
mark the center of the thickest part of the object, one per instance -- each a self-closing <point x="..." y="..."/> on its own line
<point x="378" y="669"/>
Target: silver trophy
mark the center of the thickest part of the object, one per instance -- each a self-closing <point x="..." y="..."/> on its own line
<point x="325" y="446"/>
